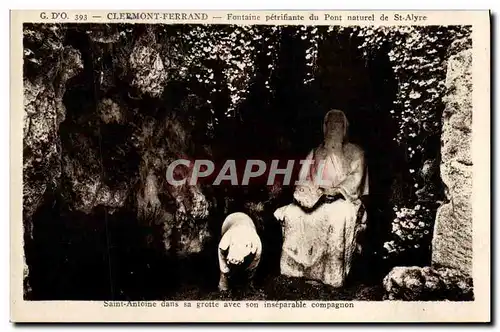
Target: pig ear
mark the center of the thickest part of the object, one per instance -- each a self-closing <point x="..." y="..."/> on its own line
<point x="224" y="243"/>
<point x="280" y="213"/>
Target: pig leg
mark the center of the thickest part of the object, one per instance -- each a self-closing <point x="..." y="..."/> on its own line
<point x="223" y="282"/>
<point x="257" y="250"/>
<point x="251" y="283"/>
<point x="224" y="270"/>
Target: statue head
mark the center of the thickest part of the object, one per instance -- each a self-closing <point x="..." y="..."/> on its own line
<point x="335" y="127"/>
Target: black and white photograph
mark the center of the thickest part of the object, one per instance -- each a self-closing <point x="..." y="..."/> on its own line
<point x="247" y="162"/>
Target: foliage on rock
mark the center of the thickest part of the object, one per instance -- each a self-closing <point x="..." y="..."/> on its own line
<point x="223" y="60"/>
<point x="419" y="57"/>
<point x="412" y="228"/>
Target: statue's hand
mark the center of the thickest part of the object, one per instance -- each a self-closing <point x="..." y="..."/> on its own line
<point x="330" y="191"/>
<point x="307" y="195"/>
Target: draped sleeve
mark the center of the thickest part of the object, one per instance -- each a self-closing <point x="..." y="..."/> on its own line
<point x="355" y="183"/>
<point x="305" y="174"/>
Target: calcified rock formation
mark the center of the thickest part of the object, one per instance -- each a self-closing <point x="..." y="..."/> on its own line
<point x="43" y="113"/>
<point x="452" y="242"/>
<point x="88" y="149"/>
<point x="415" y="283"/>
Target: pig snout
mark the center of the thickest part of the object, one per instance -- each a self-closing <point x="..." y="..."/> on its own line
<point x="238" y="253"/>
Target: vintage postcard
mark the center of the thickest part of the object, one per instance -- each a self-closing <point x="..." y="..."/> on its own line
<point x="250" y="166"/>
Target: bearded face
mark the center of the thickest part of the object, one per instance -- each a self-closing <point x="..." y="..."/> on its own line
<point x="334" y="127"/>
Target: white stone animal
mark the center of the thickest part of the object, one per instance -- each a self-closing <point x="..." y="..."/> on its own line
<point x="240" y="247"/>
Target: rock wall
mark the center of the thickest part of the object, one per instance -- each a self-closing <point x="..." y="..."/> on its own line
<point x="43" y="113"/>
<point x="452" y="241"/>
<point x="93" y="155"/>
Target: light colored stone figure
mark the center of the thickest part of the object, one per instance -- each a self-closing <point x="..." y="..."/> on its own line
<point x="320" y="239"/>
<point x="240" y="247"/>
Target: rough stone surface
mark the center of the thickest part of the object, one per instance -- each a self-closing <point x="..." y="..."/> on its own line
<point x="43" y="112"/>
<point x="110" y="112"/>
<point x="26" y="285"/>
<point x="40" y="148"/>
<point x="452" y="241"/>
<point x="181" y="210"/>
<point x="413" y="283"/>
<point x="149" y="71"/>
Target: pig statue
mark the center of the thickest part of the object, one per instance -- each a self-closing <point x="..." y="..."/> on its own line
<point x="239" y="250"/>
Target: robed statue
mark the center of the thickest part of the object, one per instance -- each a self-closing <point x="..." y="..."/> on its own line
<point x="321" y="227"/>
